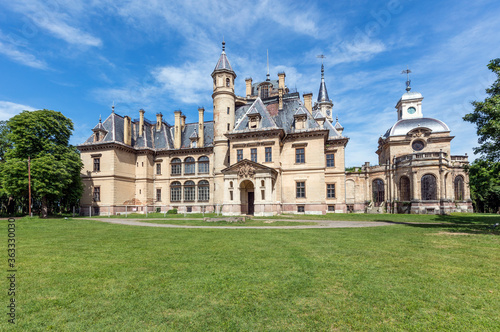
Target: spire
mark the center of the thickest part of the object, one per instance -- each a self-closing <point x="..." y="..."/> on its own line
<point x="267" y="76"/>
<point x="113" y="107"/>
<point x="322" y="94"/>
<point x="223" y="62"/>
<point x="407" y="72"/>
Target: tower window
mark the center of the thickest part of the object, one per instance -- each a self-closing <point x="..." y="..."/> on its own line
<point x="228" y="109"/>
<point x="228" y="81"/>
<point x="228" y="126"/>
<point x="158" y="169"/>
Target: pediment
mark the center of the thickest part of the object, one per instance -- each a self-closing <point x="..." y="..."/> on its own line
<point x="247" y="169"/>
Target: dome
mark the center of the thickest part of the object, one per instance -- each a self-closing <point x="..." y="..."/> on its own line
<point x="411" y="95"/>
<point x="402" y="127"/>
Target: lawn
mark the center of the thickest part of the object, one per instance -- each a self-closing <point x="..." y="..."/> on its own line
<point x="85" y="275"/>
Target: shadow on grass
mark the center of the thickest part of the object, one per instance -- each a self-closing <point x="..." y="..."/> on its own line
<point x="471" y="224"/>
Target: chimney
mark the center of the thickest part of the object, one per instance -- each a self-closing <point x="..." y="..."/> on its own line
<point x="159" y="117"/>
<point x="127" y="130"/>
<point x="177" y="134"/>
<point x="281" y="84"/>
<point x="308" y="101"/>
<point x="141" y="122"/>
<point x="183" y="122"/>
<point x="248" y="82"/>
<point x="201" y="129"/>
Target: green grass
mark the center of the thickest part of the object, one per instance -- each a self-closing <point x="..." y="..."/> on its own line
<point x="251" y="222"/>
<point x="158" y="215"/>
<point x="85" y="275"/>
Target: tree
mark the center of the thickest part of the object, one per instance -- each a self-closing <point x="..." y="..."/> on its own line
<point x="486" y="116"/>
<point x="55" y="165"/>
<point x="484" y="179"/>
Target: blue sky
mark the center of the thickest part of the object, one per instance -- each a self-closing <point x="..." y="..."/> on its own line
<point x="78" y="57"/>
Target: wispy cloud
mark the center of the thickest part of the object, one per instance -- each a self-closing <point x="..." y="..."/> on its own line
<point x="9" y="109"/>
<point x="21" y="57"/>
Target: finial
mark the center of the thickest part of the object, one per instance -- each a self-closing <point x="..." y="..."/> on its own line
<point x="321" y="56"/>
<point x="267" y="76"/>
<point x="113" y="107"/>
<point x="407" y="72"/>
<point x="99" y="118"/>
<point x="223" y="45"/>
<point x="337" y="118"/>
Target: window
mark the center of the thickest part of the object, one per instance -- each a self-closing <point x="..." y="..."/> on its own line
<point x="330" y="190"/>
<point x="300" y="156"/>
<point x="228" y="109"/>
<point x="301" y="209"/>
<point x="428" y="187"/>
<point x="330" y="160"/>
<point x="239" y="155"/>
<point x="228" y="81"/>
<point x="459" y="188"/>
<point x="269" y="154"/>
<point x="175" y="192"/>
<point x="97" y="164"/>
<point x="228" y="127"/>
<point x="203" y="164"/>
<point x="176" y="166"/>
<point x="189" y="191"/>
<point x="97" y="194"/>
<point x="263" y="195"/>
<point x="378" y="191"/>
<point x="404" y="189"/>
<point x="158" y="194"/>
<point x="158" y="169"/>
<point x="189" y="165"/>
<point x="253" y="154"/>
<point x="301" y="189"/>
<point x="203" y="190"/>
<point x="264" y="93"/>
<point x="331" y="208"/>
<point x="231" y="195"/>
<point x="189" y="209"/>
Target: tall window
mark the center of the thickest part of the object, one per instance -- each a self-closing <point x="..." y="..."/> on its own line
<point x="264" y="92"/>
<point x="158" y="194"/>
<point x="176" y="166"/>
<point x="429" y="188"/>
<point x="378" y="191"/>
<point x="330" y="160"/>
<point x="175" y="191"/>
<point x="404" y="189"/>
<point x="228" y="81"/>
<point x="189" y="191"/>
<point x="239" y="155"/>
<point x="330" y="190"/>
<point x="97" y="164"/>
<point x="189" y="165"/>
<point x="203" y="164"/>
<point x="203" y="190"/>
<point x="253" y="154"/>
<point x="301" y="189"/>
<point x="158" y="169"/>
<point x="97" y="194"/>
<point x="269" y="154"/>
<point x="459" y="188"/>
<point x="300" y="156"/>
<point x="228" y="109"/>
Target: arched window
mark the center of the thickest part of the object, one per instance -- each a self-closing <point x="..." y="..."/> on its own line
<point x="176" y="166"/>
<point x="459" y="188"/>
<point x="203" y="164"/>
<point x="378" y="191"/>
<point x="175" y="191"/>
<point x="228" y="81"/>
<point x="404" y="189"/>
<point x="203" y="190"/>
<point x="429" y="188"/>
<point x="189" y="191"/>
<point x="189" y="165"/>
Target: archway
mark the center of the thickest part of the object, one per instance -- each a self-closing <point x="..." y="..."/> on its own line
<point x="247" y="197"/>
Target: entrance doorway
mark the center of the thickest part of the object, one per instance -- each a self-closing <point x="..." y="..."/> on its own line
<point x="247" y="197"/>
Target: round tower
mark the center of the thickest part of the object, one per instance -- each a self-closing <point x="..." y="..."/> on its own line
<point x="224" y="104"/>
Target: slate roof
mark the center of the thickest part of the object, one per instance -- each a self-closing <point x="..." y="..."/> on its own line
<point x="322" y="94"/>
<point x="402" y="127"/>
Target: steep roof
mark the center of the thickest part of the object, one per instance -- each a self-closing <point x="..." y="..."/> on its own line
<point x="223" y="63"/>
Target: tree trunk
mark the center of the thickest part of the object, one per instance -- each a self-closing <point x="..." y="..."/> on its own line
<point x="44" y="207"/>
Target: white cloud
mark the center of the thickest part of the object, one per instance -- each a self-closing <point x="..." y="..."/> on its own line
<point x="21" y="57"/>
<point x="9" y="109"/>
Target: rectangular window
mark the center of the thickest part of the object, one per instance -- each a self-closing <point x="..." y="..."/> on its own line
<point x="176" y="169"/>
<point x="158" y="169"/>
<point x="330" y="160"/>
<point x="231" y="195"/>
<point x="253" y="154"/>
<point x="301" y="208"/>
<point x="239" y="155"/>
<point x="97" y="164"/>
<point x="189" y="209"/>
<point x="301" y="189"/>
<point x="175" y="194"/>
<point x="263" y="194"/>
<point x="228" y="126"/>
<point x="97" y="194"/>
<point x="158" y="194"/>
<point x="228" y="110"/>
<point x="300" y="156"/>
<point x="189" y="193"/>
<point x="269" y="154"/>
<point x="330" y="190"/>
<point x="331" y="208"/>
<point x="203" y="192"/>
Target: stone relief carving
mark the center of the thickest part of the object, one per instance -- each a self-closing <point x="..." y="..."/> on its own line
<point x="246" y="171"/>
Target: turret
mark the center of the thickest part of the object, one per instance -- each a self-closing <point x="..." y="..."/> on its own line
<point x="324" y="104"/>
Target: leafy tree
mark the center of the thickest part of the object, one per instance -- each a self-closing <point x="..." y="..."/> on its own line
<point x="486" y="116"/>
<point x="55" y="165"/>
<point x="484" y="177"/>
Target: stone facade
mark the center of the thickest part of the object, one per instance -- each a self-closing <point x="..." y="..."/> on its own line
<point x="268" y="153"/>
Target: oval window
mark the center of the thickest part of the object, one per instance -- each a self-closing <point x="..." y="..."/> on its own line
<point x="417" y="145"/>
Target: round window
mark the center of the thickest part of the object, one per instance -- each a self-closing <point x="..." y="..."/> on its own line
<point x="417" y="145"/>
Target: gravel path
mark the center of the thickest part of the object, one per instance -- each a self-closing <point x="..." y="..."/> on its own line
<point x="318" y="224"/>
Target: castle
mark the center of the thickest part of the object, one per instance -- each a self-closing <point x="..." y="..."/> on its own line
<point x="269" y="152"/>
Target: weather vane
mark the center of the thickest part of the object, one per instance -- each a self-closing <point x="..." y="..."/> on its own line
<point x="407" y="72"/>
<point x="321" y="56"/>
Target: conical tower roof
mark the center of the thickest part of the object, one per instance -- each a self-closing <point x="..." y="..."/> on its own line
<point x="322" y="94"/>
<point x="223" y="63"/>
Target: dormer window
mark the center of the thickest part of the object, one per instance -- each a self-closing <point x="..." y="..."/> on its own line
<point x="300" y="122"/>
<point x="254" y="121"/>
<point x="97" y="136"/>
<point x="264" y="91"/>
